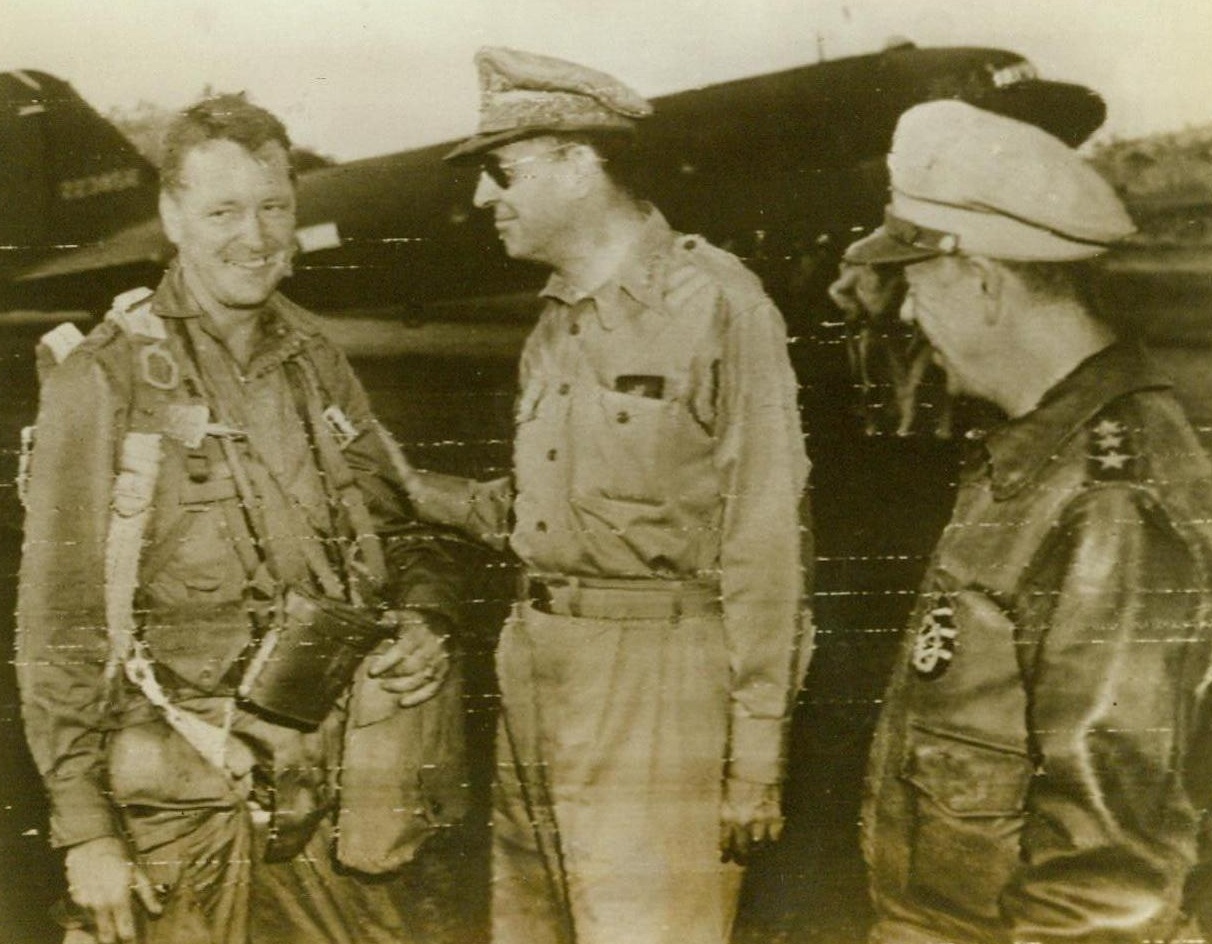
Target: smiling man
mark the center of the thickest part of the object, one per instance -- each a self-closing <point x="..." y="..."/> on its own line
<point x="649" y="670"/>
<point x="209" y="502"/>
<point x="1040" y="771"/>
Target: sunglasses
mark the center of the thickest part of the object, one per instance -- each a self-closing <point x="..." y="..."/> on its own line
<point x="504" y="174"/>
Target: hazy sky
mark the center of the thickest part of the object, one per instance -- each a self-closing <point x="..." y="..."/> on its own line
<point x="354" y="78"/>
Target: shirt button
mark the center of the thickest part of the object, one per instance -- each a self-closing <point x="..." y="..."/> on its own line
<point x="563" y="389"/>
<point x="551" y="455"/>
<point x="575" y="328"/>
<point x="623" y="416"/>
<point x="541" y="526"/>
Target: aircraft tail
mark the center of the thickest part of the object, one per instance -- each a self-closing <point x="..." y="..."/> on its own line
<point x="67" y="176"/>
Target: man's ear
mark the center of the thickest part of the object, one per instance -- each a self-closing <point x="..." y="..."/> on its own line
<point x="170" y="217"/>
<point x="586" y="164"/>
<point x="992" y="279"/>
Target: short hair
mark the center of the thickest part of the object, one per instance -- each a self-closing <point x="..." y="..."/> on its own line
<point x="1046" y="280"/>
<point x="229" y="117"/>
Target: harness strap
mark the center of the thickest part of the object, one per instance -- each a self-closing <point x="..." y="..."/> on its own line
<point x="370" y="565"/>
<point x="131" y="500"/>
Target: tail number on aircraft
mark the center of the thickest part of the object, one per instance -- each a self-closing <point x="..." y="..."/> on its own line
<point x="80" y="188"/>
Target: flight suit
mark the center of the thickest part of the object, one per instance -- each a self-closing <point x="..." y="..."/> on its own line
<point x="111" y="765"/>
<point x="1041" y="766"/>
<point x="659" y="470"/>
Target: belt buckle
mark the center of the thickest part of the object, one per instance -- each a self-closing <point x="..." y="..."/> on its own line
<point x="539" y="595"/>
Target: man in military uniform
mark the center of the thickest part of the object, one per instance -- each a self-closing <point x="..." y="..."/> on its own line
<point x="202" y="452"/>
<point x="1040" y="769"/>
<point x="649" y="670"/>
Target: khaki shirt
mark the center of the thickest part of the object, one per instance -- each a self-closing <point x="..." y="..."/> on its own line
<point x="658" y="436"/>
<point x="192" y="596"/>
<point x="1042" y="759"/>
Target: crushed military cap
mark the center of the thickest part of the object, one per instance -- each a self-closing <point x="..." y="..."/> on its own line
<point x="970" y="181"/>
<point x="523" y="94"/>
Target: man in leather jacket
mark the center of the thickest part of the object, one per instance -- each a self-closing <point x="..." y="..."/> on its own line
<point x="207" y="441"/>
<point x="1040" y="769"/>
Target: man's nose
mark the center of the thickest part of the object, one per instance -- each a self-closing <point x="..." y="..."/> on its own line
<point x="255" y="229"/>
<point x="487" y="192"/>
<point x="907" y="310"/>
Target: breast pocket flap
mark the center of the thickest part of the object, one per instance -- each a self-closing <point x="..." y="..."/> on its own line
<point x="965" y="778"/>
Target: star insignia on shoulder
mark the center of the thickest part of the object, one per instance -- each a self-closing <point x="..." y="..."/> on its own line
<point x="1112" y="460"/>
<point x="1111" y="454"/>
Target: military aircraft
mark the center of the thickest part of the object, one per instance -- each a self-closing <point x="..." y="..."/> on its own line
<point x="773" y="166"/>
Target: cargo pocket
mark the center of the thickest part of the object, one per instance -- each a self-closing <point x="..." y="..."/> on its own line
<point x="969" y="800"/>
<point x="403" y="773"/>
<point x="151" y="765"/>
<point x="193" y="559"/>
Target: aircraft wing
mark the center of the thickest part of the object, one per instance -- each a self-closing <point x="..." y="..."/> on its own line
<point x="776" y="160"/>
<point x="143" y="243"/>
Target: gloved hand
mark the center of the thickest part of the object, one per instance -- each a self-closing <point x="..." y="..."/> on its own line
<point x="751" y="816"/>
<point x="100" y="879"/>
<point x="417" y="663"/>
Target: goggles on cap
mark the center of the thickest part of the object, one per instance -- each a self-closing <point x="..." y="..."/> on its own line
<point x="920" y="237"/>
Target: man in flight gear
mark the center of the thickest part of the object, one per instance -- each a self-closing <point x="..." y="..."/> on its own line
<point x="208" y="482"/>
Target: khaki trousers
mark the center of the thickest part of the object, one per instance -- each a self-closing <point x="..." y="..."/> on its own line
<point x="610" y="765"/>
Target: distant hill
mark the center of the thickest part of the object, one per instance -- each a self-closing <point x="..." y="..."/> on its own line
<point x="1166" y="180"/>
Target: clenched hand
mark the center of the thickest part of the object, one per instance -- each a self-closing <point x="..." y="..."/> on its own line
<point x="752" y="815"/>
<point x="417" y="663"/>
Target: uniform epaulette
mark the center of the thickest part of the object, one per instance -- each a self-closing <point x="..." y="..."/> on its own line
<point x="1113" y="447"/>
<point x="716" y="262"/>
<point x="709" y="267"/>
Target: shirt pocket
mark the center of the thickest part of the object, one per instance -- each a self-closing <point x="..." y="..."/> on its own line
<point x="626" y="445"/>
<point x="968" y="802"/>
<point x="194" y="560"/>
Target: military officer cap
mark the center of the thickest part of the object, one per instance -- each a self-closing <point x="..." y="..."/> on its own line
<point x="970" y="181"/>
<point x="523" y="94"/>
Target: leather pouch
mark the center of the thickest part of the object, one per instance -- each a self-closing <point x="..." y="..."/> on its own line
<point x="308" y="657"/>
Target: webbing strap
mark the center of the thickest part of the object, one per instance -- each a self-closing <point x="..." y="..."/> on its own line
<point x="130" y="511"/>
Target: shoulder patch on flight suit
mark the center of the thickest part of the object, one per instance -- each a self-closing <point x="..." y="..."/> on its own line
<point x="934" y="647"/>
<point x="1112" y="454"/>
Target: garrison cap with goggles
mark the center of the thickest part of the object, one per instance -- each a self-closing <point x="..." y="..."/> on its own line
<point x="971" y="181"/>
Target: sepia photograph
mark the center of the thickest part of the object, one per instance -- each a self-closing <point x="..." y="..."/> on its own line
<point x="622" y="472"/>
